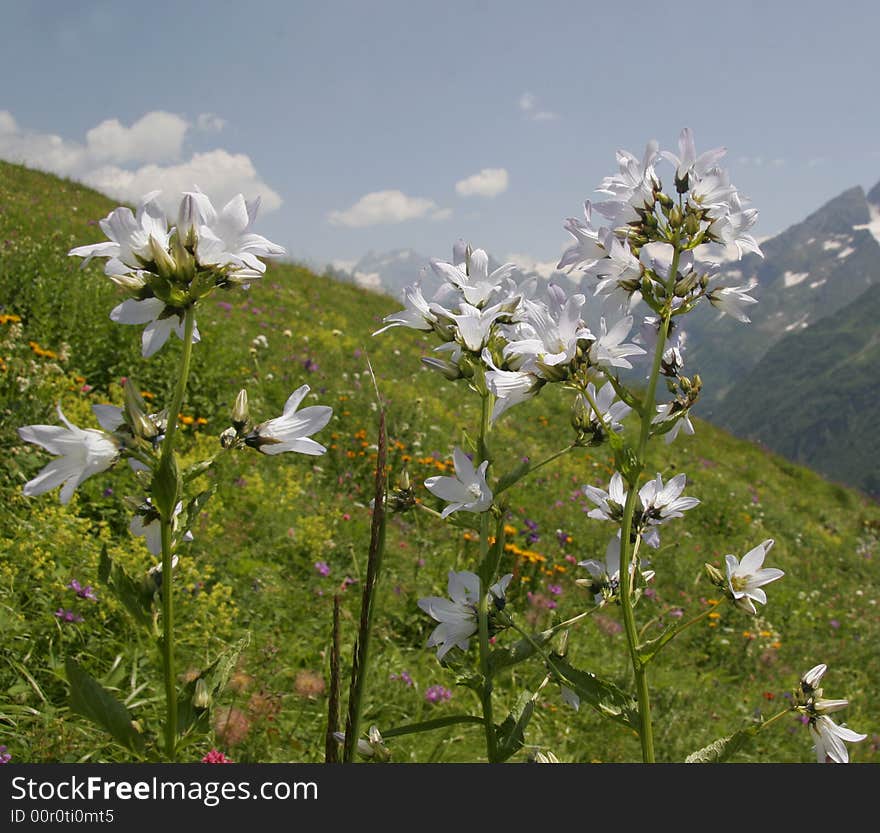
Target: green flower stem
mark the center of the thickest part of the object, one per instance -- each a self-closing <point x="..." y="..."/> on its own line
<point x="483" y="607"/>
<point x="485" y="668"/>
<point x="429" y="725"/>
<point x="532" y="469"/>
<point x="167" y="549"/>
<point x="775" y="717"/>
<point x="575" y="619"/>
<point x="646" y="733"/>
<point x="683" y="626"/>
<point x="698" y="618"/>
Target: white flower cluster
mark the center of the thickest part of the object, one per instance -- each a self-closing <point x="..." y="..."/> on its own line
<point x="167" y="269"/>
<point x="631" y="249"/>
<point x="500" y="334"/>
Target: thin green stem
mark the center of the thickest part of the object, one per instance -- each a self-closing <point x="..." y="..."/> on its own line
<point x="166" y="526"/>
<point x="532" y="469"/>
<point x="646" y="733"/>
<point x="429" y="725"/>
<point x="775" y="717"/>
<point x="483" y="607"/>
<point x="483" y="627"/>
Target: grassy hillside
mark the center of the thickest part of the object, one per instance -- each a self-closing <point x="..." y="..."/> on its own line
<point x="281" y="536"/>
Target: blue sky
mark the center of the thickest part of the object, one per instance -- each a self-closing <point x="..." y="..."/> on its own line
<point x="493" y="121"/>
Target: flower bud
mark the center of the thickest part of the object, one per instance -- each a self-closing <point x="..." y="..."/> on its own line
<point x="692" y="224"/>
<point x="240" y="412"/>
<point x="686" y="284"/>
<point x="555" y="372"/>
<point x="229" y="438"/>
<point x="664" y="199"/>
<point x="448" y="369"/>
<point x="188" y="218"/>
<point x="580" y="413"/>
<point x="186" y="263"/>
<point x="131" y="283"/>
<point x="675" y="217"/>
<point x="715" y="576"/>
<point x="165" y="265"/>
<point x="201" y="697"/>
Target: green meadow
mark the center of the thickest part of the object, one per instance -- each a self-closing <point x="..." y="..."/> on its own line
<point x="282" y="536"/>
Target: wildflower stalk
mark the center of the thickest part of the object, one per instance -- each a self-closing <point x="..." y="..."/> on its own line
<point x="428" y="725"/>
<point x="374" y="564"/>
<point x="646" y="732"/>
<point x="483" y="607"/>
<point x="166" y="519"/>
<point x="532" y="469"/>
<point x="331" y="747"/>
<point x="775" y="717"/>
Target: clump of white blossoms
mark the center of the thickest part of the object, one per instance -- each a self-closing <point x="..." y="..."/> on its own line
<point x="166" y="270"/>
<point x="506" y="337"/>
<point x="828" y="736"/>
<point x="658" y="504"/>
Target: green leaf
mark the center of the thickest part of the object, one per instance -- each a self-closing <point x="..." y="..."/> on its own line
<point x="195" y="506"/>
<point x="430" y="725"/>
<point x="720" y="750"/>
<point x="605" y="697"/>
<point x="135" y="597"/>
<point x="511" y="733"/>
<point x="215" y="676"/>
<point x="193" y="471"/>
<point x="648" y="650"/>
<point x="165" y="486"/>
<point x="489" y="565"/>
<point x="90" y="699"/>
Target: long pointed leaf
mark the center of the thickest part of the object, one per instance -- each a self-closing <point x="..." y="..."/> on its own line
<point x="90" y="699"/>
<point x="511" y="733"/>
<point x="720" y="750"/>
<point x="603" y="696"/>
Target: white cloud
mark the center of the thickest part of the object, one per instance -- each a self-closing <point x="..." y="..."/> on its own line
<point x="127" y="162"/>
<point x="210" y="123"/>
<point x="490" y="182"/>
<point x="528" y="104"/>
<point x="155" y="137"/>
<point x="387" y="207"/>
<point x="220" y="174"/>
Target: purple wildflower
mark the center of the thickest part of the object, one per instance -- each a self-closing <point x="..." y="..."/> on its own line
<point x="224" y="305"/>
<point x="437" y="694"/>
<point x="68" y="616"/>
<point x="5" y="757"/>
<point x="555" y="589"/>
<point x="87" y="592"/>
<point x="404" y="677"/>
<point x="323" y="568"/>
